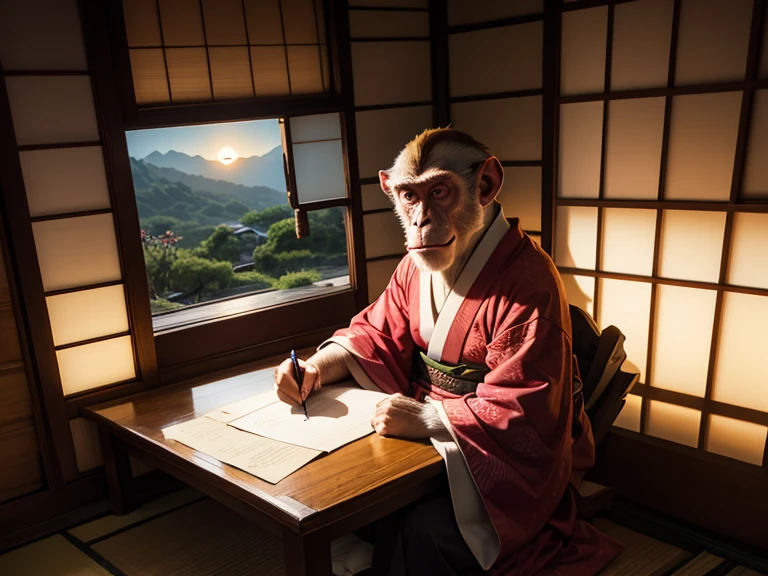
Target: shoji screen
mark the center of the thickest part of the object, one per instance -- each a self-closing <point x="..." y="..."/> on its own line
<point x="197" y="51"/>
<point x="660" y="220"/>
<point x="61" y="156"/>
<point x="393" y="103"/>
<point x="495" y="84"/>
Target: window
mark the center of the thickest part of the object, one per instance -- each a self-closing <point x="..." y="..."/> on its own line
<point x="216" y="225"/>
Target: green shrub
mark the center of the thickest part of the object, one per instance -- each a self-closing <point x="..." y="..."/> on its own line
<point x="252" y="278"/>
<point x="196" y="276"/>
<point x="296" y="279"/>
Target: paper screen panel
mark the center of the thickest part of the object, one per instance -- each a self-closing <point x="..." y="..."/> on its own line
<point x="576" y="237"/>
<point x="142" y="23"/>
<point x="691" y="245"/>
<point x="510" y="127"/>
<point x="299" y="21"/>
<point x="756" y="172"/>
<point x="628" y="240"/>
<point x="674" y="423"/>
<point x="582" y="65"/>
<point x="629" y="417"/>
<point x="87" y="314"/>
<point x="374" y="197"/>
<point x="580" y="291"/>
<point x="520" y="195"/>
<point x="47" y="37"/>
<point x="642" y="34"/>
<point x="712" y="41"/>
<point x="383" y="235"/>
<point x="736" y="439"/>
<point x="748" y="264"/>
<point x="315" y="127"/>
<point x="392" y="24"/>
<point x="517" y="59"/>
<point x="702" y="146"/>
<point x="230" y="73"/>
<point x="740" y="368"/>
<point x="627" y="306"/>
<point x="182" y="23"/>
<point x="64" y="180"/>
<point x="188" y="74"/>
<point x="77" y="251"/>
<point x="463" y="12"/>
<point x="381" y="134"/>
<point x="633" y="153"/>
<point x="682" y="339"/>
<point x="270" y="70"/>
<point x="379" y="274"/>
<point x="319" y="171"/>
<point x="264" y="22"/>
<point x="150" y="81"/>
<point x="52" y="109"/>
<point x="304" y="69"/>
<point x="98" y="364"/>
<point x="581" y="144"/>
<point x="224" y="22"/>
<point x="407" y="62"/>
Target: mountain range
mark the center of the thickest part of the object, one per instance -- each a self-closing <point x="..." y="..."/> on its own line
<point x="266" y="170"/>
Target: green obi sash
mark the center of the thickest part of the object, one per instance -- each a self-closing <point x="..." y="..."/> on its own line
<point x="459" y="379"/>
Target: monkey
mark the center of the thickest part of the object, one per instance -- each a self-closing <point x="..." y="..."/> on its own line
<point x="471" y="340"/>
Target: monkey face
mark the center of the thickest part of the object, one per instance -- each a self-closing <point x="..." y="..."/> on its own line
<point x="439" y="216"/>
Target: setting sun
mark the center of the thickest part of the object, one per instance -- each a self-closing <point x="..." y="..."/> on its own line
<point x="227" y="155"/>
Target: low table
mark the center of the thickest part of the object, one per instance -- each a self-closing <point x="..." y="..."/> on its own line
<point x="331" y="496"/>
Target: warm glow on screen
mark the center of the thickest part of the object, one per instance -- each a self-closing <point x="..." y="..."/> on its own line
<point x="92" y="365"/>
<point x="580" y="291"/>
<point x="748" y="265"/>
<point x="683" y="337"/>
<point x="629" y="417"/>
<point x="79" y="316"/>
<point x="691" y="244"/>
<point x="576" y="238"/>
<point x="740" y="371"/>
<point x="675" y="423"/>
<point x="736" y="439"/>
<point x="628" y="238"/>
<point x="627" y="306"/>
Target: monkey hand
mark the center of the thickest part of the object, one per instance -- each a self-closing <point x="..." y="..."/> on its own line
<point x="285" y="381"/>
<point x="402" y="416"/>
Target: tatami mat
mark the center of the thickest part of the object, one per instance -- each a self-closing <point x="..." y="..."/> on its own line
<point x="642" y="556"/>
<point x="204" y="539"/>
<point x="701" y="565"/>
<point x="109" y="524"/>
<point x="53" y="556"/>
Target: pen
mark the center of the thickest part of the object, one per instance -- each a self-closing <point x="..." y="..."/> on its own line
<point x="297" y="372"/>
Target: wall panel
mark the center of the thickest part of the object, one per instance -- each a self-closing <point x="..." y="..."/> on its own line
<point x="520" y="195"/>
<point x="581" y="142"/>
<point x="391" y="72"/>
<point x="583" y="50"/>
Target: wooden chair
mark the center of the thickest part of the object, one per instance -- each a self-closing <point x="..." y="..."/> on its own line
<point x="599" y="356"/>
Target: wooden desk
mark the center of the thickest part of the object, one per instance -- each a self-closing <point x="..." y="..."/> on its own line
<point x="330" y="497"/>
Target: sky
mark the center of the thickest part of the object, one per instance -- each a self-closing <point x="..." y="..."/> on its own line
<point x="253" y="138"/>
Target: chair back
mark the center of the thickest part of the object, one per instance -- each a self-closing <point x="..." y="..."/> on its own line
<point x="599" y="356"/>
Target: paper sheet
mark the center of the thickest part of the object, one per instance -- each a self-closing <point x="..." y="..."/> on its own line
<point x="268" y="459"/>
<point x="241" y="408"/>
<point x="338" y="415"/>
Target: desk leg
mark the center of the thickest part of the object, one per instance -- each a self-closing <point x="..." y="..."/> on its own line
<point x="308" y="555"/>
<point x="117" y="465"/>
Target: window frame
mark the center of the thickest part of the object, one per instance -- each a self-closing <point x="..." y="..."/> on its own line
<point x="191" y="351"/>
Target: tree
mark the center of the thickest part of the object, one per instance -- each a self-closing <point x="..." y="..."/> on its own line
<point x="222" y="245"/>
<point x="197" y="276"/>
<point x="263" y="219"/>
<point x="160" y="252"/>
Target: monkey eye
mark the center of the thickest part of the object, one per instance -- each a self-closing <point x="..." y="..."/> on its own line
<point x="409" y="196"/>
<point x="438" y="192"/>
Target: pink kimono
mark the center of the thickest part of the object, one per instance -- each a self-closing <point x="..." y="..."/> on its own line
<point x="521" y="442"/>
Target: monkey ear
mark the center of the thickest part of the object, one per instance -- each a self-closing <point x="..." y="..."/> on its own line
<point x="383" y="178"/>
<point x="490" y="177"/>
